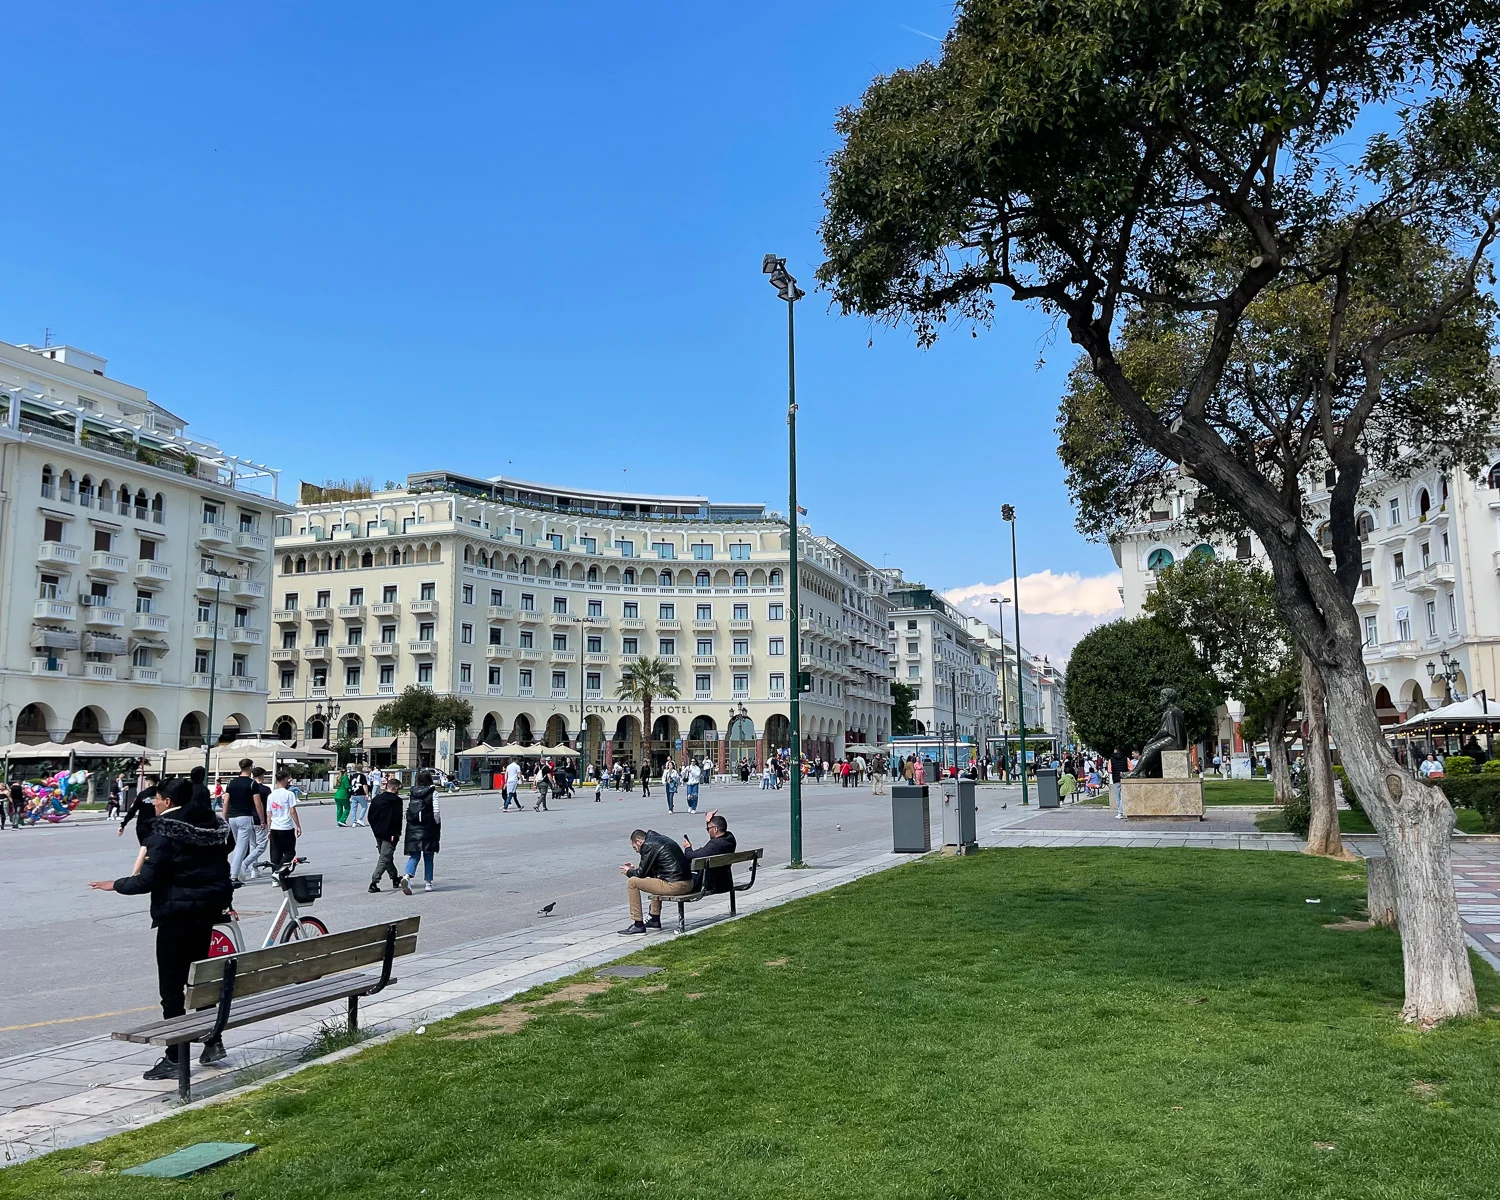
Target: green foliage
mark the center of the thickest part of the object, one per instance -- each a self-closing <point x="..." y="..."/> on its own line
<point x="1347" y="789"/>
<point x="1283" y="689"/>
<point x="644" y="681"/>
<point x="1480" y="792"/>
<point x="1492" y="767"/>
<point x="1115" y="674"/>
<point x="902" y="698"/>
<point x="420" y="711"/>
<point x="1458" y="764"/>
<point x="1296" y="813"/>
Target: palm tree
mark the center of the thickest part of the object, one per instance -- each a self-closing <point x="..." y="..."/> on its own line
<point x="643" y="681"/>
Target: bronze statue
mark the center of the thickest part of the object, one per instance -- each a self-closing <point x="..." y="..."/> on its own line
<point x="1172" y="735"/>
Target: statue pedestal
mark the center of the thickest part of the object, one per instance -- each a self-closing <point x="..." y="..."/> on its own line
<point x="1175" y="796"/>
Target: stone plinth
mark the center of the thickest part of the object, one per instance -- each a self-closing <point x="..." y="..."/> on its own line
<point x="1175" y="795"/>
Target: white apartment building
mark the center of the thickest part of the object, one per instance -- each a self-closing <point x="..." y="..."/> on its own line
<point x="1429" y="593"/>
<point x="863" y="622"/>
<point x="529" y="598"/>
<point x="932" y="652"/>
<point x="116" y="529"/>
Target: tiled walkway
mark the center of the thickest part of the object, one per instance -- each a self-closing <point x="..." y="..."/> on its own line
<point x="81" y="1092"/>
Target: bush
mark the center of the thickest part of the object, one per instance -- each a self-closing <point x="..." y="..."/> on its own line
<point x="1297" y="812"/>
<point x="1458" y="764"/>
<point x="1480" y="792"/>
<point x="1347" y="789"/>
<point x="1491" y="768"/>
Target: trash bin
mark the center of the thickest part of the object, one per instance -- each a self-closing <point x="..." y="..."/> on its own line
<point x="959" y="823"/>
<point x="1046" y="788"/>
<point x="911" y="821"/>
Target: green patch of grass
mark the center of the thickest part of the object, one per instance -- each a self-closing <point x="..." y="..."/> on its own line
<point x="331" y="1036"/>
<point x="1238" y="791"/>
<point x="1469" y="821"/>
<point x="1083" y="1024"/>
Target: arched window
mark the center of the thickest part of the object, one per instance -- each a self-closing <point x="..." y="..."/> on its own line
<point x="1159" y="560"/>
<point x="124" y="500"/>
<point x="49" y="486"/>
<point x="86" y="491"/>
<point x="593" y="576"/>
<point x="557" y="571"/>
<point x="468" y="554"/>
<point x="367" y="559"/>
<point x="1365" y="524"/>
<point x="1325" y="535"/>
<point x="301" y="565"/>
<point x="338" y="561"/>
<point x="1424" y="502"/>
<point x="65" y="487"/>
<point x="776" y="578"/>
<point x="142" y="505"/>
<point x="286" y="565"/>
<point x="629" y="576"/>
<point x="664" y="579"/>
<point x="701" y="579"/>
<point x="1203" y="551"/>
<point x="741" y="579"/>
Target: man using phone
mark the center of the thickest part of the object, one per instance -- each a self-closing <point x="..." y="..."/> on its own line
<point x="662" y="871"/>
<point x="720" y="841"/>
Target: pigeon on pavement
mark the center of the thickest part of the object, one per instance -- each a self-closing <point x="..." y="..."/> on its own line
<point x="546" y="910"/>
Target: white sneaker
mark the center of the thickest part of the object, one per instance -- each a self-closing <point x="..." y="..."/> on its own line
<point x="427" y="887"/>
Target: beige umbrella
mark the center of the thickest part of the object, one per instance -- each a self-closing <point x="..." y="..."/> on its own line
<point x="483" y="750"/>
<point x="560" y="752"/>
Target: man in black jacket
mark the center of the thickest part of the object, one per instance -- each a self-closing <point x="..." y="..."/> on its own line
<point x="385" y="823"/>
<point x="662" y="871"/>
<point x="720" y="841"/>
<point x="187" y="874"/>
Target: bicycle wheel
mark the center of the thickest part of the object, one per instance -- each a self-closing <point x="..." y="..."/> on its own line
<point x="306" y="927"/>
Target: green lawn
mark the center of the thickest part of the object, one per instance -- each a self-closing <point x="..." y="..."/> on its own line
<point x="1469" y="821"/>
<point x="1238" y="791"/>
<point x="1058" y="1024"/>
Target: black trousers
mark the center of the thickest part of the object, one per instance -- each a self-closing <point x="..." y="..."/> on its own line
<point x="179" y="944"/>
<point x="283" y="846"/>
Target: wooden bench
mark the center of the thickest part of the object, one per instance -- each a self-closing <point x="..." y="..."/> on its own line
<point x="752" y="857"/>
<point x="256" y="985"/>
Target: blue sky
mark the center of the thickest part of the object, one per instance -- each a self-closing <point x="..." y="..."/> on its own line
<point x="363" y="239"/>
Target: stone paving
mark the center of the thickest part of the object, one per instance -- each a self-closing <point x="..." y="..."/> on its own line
<point x="87" y="1090"/>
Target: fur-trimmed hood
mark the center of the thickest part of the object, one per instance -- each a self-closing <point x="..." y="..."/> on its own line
<point x="171" y="825"/>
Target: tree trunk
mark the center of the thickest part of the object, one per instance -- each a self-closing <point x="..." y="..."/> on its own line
<point x="1380" y="892"/>
<point x="1415" y="822"/>
<point x="1281" y="773"/>
<point x="643" y="767"/>
<point x="1323" y="831"/>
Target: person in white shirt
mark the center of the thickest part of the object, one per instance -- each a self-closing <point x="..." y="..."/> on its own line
<point x="283" y="820"/>
<point x="694" y="778"/>
<point x="513" y="786"/>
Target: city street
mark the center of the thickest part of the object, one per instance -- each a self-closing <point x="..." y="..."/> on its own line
<point x="494" y="871"/>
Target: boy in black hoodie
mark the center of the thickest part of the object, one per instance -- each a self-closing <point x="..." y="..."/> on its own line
<point x="385" y="823"/>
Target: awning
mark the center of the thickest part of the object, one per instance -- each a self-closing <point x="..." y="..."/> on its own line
<point x="483" y="750"/>
<point x="385" y="743"/>
<point x="154" y="643"/>
<point x="54" y="639"/>
<point x="1475" y="712"/>
<point x="104" y="643"/>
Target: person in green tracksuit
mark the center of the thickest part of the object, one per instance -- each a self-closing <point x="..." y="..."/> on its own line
<point x="341" y="799"/>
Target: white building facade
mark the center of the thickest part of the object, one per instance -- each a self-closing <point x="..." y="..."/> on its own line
<point x="119" y="530"/>
<point x="528" y="599"/>
<point x="1429" y="595"/>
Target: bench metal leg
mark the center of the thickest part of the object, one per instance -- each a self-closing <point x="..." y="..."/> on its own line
<point x="681" y="917"/>
<point x="353" y="1014"/>
<point x="732" y="911"/>
<point x="184" y="1070"/>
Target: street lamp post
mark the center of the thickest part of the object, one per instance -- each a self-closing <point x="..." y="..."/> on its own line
<point x="787" y="289"/>
<point x="213" y="664"/>
<point x="1004" y="687"/>
<point x="1008" y="515"/>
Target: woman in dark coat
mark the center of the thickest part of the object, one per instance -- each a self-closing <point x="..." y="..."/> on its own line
<point x="424" y="827"/>
<point x="186" y="872"/>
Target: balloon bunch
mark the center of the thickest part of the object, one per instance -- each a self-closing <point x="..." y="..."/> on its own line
<point x="53" y="798"/>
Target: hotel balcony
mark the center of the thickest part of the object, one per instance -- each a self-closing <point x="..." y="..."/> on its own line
<point x="1366" y="596"/>
<point x="54" y="610"/>
<point x="742" y="625"/>
<point x="741" y="660"/>
<point x="287" y="616"/>
<point x="496" y="653"/>
<point x="248" y="589"/>
<point x="145" y="674"/>
<point x="422" y="608"/>
<point x="494" y="689"/>
<point x="499" y="612"/>
<point x="100" y="617"/>
<point x="529" y="654"/>
<point x="321" y="615"/>
<point x="105" y="643"/>
<point x="217" y="536"/>
<point x="385" y="689"/>
<point x="596" y="659"/>
<point x="240" y="683"/>
<point x="526" y="693"/>
<point x="351" y="653"/>
<point x="704" y="660"/>
<point x="668" y="626"/>
<point x="48" y="666"/>
<point x="285" y="654"/>
<point x="384" y="649"/>
<point x="423" y="649"/>
<point x="105" y="562"/>
<point x="465" y="687"/>
<point x="149" y="570"/>
<point x="529" y="616"/>
<point x="567" y="657"/>
<point x="318" y="691"/>
<point x="95" y="670"/>
<point x="391" y="609"/>
<point x="705" y="625"/>
<point x="351" y="612"/>
<point x="596" y="619"/>
<point x="56" y="552"/>
<point x="560" y="693"/>
<point x="632" y="623"/>
<point x="248" y="542"/>
<point x="243" y="635"/>
<point x="317" y="653"/>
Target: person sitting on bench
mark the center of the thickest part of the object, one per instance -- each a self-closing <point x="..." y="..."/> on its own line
<point x="720" y="841"/>
<point x="662" y="871"/>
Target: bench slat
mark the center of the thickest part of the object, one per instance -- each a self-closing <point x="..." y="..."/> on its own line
<point x="250" y="983"/>
<point x="211" y="970"/>
<point x="195" y="1025"/>
<point x="726" y="860"/>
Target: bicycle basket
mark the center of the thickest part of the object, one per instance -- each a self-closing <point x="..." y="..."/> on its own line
<point x="305" y="888"/>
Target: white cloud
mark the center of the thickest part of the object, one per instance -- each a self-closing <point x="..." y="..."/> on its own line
<point x="1056" y="610"/>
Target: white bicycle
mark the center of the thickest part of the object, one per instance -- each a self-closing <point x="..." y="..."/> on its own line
<point x="289" y="924"/>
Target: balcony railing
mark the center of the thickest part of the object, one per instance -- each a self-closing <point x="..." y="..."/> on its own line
<point x="390" y="609"/>
<point x="286" y="616"/>
<point x="108" y="563"/>
<point x="668" y="625"/>
<point x="253" y="543"/>
<point x="145" y="674"/>
<point x="742" y="625"/>
<point x="351" y="689"/>
<point x="465" y="687"/>
<point x="596" y="658"/>
<point x="241" y="683"/>
<point x="56" y="552"/>
<point x="422" y="607"/>
<point x="424" y="649"/>
<point x="385" y="689"/>
<point x="560" y="693"/>
<point x="496" y="653"/>
<point x="499" y="612"/>
<point x="317" y="653"/>
<point x="351" y="612"/>
<point x="355" y="651"/>
<point x="699" y="623"/>
<point x="740" y="660"/>
<point x="94" y="670"/>
<point x="215" y="535"/>
<point x="704" y="660"/>
<point x="494" y="689"/>
<point x="285" y="654"/>
<point x="321" y="613"/>
<point x="150" y="622"/>
<point x="104" y="618"/>
<point x="526" y="693"/>
<point x="48" y="666"/>
<point x="250" y="588"/>
<point x="54" y="610"/>
<point x="318" y="692"/>
<point x="384" y="649"/>
<point x="150" y="569"/>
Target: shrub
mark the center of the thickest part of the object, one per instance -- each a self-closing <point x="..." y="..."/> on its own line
<point x="1297" y="812"/>
<point x="1491" y="768"/>
<point x="1347" y="789"/>
<point x="1458" y="764"/>
<point x="1479" y="792"/>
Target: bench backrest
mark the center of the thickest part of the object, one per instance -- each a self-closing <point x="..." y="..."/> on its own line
<point x="725" y="860"/>
<point x="298" y="962"/>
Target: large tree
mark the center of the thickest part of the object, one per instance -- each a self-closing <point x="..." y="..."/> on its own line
<point x="902" y="721"/>
<point x="1148" y="172"/>
<point x="420" y="711"/>
<point x="642" y="682"/>
<point x="1115" y="676"/>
